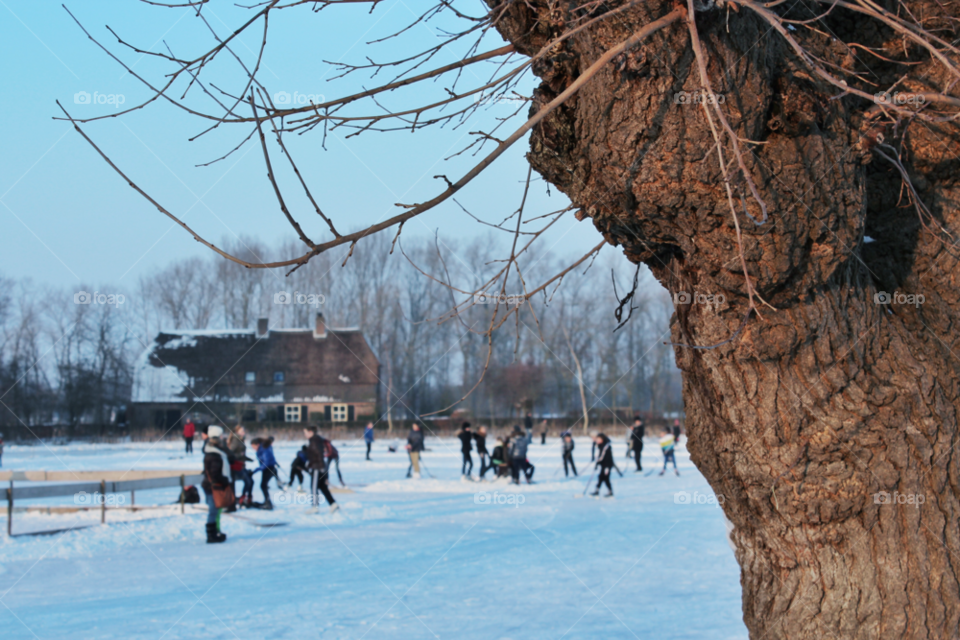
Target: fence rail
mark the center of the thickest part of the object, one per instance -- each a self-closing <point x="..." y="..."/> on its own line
<point x="103" y="487"/>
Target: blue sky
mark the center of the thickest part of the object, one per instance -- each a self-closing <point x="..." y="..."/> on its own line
<point x="67" y="218"/>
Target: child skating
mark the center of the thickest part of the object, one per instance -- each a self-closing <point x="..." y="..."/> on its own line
<point x="667" y="445"/>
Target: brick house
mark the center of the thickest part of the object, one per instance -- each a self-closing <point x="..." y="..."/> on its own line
<point x="256" y="375"/>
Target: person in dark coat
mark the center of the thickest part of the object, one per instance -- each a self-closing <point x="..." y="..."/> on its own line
<point x="466" y="446"/>
<point x="216" y="466"/>
<point x="298" y="466"/>
<point x="480" y="437"/>
<point x="605" y="463"/>
<point x="518" y="454"/>
<point x="498" y="459"/>
<point x="528" y="425"/>
<point x="637" y="431"/>
<point x="676" y="431"/>
<point x="568" y="446"/>
<point x="316" y="464"/>
<point x="414" y="448"/>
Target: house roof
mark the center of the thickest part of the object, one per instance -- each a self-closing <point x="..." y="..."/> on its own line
<point x="182" y="366"/>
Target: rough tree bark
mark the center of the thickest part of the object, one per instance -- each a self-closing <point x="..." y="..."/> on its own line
<point x="832" y="399"/>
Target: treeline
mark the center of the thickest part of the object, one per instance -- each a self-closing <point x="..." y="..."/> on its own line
<point x="66" y="355"/>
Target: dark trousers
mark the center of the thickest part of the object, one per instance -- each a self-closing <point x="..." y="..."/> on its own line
<point x="369" y="444"/>
<point x="568" y="458"/>
<point x="265" y="476"/>
<point x="528" y="470"/>
<point x="467" y="467"/>
<point x="668" y="456"/>
<point x="543" y="438"/>
<point x="515" y="466"/>
<point x="318" y="485"/>
<point x="245" y="476"/>
<point x="330" y="463"/>
<point x="604" y="478"/>
<point x="484" y="463"/>
<point x="296" y="473"/>
<point x="189" y="442"/>
<point x="637" y="450"/>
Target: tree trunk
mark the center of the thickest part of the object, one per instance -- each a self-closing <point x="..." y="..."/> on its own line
<point x="830" y="424"/>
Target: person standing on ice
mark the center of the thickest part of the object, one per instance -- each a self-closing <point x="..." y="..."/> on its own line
<point x="518" y="453"/>
<point x="466" y="446"/>
<point x="368" y="438"/>
<point x="414" y="447"/>
<point x="333" y="458"/>
<point x="268" y="465"/>
<point x="189" y="430"/>
<point x="216" y="465"/>
<point x="238" y="465"/>
<point x="318" y="470"/>
<point x="636" y="440"/>
<point x="498" y="459"/>
<point x="676" y="431"/>
<point x="568" y="446"/>
<point x="528" y="425"/>
<point x="605" y="464"/>
<point x="298" y="466"/>
<point x="480" y="437"/>
<point x="667" y="444"/>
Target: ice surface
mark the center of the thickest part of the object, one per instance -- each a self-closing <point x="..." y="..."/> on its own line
<point x="403" y="559"/>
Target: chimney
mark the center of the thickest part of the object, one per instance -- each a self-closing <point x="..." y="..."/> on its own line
<point x="320" y="330"/>
<point x="262" y="327"/>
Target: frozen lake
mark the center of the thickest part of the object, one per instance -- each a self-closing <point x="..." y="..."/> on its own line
<point x="403" y="559"/>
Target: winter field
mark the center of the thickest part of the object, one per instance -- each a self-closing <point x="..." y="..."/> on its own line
<point x="428" y="558"/>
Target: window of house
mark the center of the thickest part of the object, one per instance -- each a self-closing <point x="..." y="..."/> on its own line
<point x="292" y="413"/>
<point x="278" y="377"/>
<point x="251" y="377"/>
<point x="338" y="412"/>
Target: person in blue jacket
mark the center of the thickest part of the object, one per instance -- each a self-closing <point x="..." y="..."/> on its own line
<point x="368" y="437"/>
<point x="268" y="465"/>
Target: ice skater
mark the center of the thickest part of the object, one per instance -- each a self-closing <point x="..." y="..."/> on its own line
<point x="318" y="470"/>
<point x="268" y="466"/>
<point x="216" y="464"/>
<point x="568" y="446"/>
<point x="238" y="465"/>
<point x="637" y="431"/>
<point x="466" y="446"/>
<point x="676" y="431"/>
<point x="298" y="466"/>
<point x="333" y="458"/>
<point x="368" y="438"/>
<point x="667" y="447"/>
<point x="518" y="454"/>
<point x="605" y="464"/>
<point x="189" y="430"/>
<point x="498" y="459"/>
<point x="414" y="448"/>
<point x="480" y="437"/>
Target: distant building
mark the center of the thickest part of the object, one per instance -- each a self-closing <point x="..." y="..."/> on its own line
<point x="256" y="375"/>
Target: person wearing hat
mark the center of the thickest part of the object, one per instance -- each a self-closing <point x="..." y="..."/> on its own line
<point x="216" y="465"/>
<point x="637" y="431"/>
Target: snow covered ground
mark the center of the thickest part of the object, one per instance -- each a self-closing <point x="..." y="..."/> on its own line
<point x="429" y="558"/>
